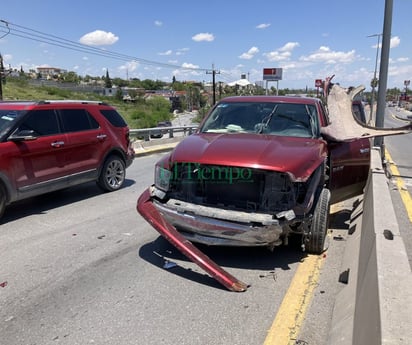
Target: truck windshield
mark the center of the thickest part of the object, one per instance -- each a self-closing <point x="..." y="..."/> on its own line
<point x="283" y="119"/>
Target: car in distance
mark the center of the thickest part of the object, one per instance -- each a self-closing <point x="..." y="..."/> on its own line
<point x="257" y="171"/>
<point x="158" y="132"/>
<point x="51" y="145"/>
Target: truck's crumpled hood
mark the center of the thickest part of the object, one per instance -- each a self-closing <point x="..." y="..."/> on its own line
<point x="297" y="156"/>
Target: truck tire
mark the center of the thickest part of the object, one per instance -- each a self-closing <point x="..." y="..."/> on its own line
<point x="317" y="240"/>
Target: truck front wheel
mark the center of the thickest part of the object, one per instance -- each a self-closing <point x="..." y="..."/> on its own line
<point x="317" y="240"/>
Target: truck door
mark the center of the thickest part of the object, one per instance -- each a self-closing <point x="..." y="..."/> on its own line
<point x="349" y="168"/>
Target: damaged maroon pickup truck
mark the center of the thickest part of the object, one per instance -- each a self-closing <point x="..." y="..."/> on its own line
<point x="258" y="170"/>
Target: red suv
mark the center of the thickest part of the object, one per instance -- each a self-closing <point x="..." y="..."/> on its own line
<point x="51" y="145"/>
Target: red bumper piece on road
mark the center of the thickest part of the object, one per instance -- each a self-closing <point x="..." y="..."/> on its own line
<point x="148" y="211"/>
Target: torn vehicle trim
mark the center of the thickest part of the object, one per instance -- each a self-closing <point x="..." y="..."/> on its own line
<point x="213" y="229"/>
<point x="146" y="208"/>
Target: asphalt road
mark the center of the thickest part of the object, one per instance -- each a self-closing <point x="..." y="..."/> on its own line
<point x="82" y="267"/>
<point x="401" y="183"/>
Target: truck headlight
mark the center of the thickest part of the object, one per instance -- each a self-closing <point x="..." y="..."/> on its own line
<point x="162" y="178"/>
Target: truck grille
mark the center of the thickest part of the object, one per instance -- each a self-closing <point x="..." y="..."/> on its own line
<point x="235" y="188"/>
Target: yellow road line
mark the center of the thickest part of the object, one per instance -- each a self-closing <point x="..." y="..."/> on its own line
<point x="290" y="316"/>
<point x="406" y="197"/>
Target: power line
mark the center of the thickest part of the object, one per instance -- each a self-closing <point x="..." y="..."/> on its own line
<point x="38" y="36"/>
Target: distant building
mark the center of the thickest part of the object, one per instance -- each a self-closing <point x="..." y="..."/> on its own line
<point x="50" y="72"/>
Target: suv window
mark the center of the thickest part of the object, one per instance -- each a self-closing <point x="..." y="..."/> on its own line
<point x="76" y="120"/>
<point x="42" y="122"/>
<point x="114" y="118"/>
<point x="7" y="117"/>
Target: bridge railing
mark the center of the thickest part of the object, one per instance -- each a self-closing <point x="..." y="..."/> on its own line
<point x="147" y="134"/>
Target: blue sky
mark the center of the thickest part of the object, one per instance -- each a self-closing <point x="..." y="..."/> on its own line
<point x="157" y="39"/>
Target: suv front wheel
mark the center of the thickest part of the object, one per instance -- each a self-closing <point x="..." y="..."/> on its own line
<point x="113" y="174"/>
<point x="2" y="200"/>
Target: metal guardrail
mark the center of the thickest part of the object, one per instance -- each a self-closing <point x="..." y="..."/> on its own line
<point x="146" y="133"/>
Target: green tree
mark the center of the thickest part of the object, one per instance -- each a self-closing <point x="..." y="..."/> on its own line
<point x="149" y="84"/>
<point x="70" y="77"/>
<point x="135" y="82"/>
<point x="107" y="80"/>
<point x="120" y="82"/>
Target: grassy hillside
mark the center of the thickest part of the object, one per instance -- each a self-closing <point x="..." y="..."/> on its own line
<point x="142" y="114"/>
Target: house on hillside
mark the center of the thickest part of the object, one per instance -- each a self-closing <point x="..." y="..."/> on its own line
<point x="50" y="72"/>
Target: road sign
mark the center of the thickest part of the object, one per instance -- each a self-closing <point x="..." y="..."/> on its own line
<point x="318" y="82"/>
<point x="272" y="74"/>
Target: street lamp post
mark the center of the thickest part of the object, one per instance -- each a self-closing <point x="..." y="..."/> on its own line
<point x="374" y="82"/>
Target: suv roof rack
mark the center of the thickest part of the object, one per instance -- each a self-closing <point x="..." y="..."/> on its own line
<point x="81" y="101"/>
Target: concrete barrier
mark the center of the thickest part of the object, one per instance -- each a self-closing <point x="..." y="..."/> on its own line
<point x="375" y="304"/>
<point x="142" y="147"/>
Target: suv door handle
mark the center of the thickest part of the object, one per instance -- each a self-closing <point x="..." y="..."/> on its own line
<point x="57" y="144"/>
<point x="364" y="150"/>
<point x="101" y="137"/>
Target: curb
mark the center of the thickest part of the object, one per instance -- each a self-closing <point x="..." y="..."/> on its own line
<point x="142" y="150"/>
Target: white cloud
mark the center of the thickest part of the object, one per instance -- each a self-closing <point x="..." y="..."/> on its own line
<point x="283" y="53"/>
<point x="167" y="52"/>
<point x="403" y="59"/>
<point x="263" y="26"/>
<point x="130" y="66"/>
<point x="188" y="70"/>
<point x="328" y="56"/>
<point x="277" y="56"/>
<point x="158" y="23"/>
<point x="182" y="51"/>
<point x="189" y="65"/>
<point x="395" y="41"/>
<point x="288" y="47"/>
<point x="7" y="58"/>
<point x="99" y="38"/>
<point x="249" y="54"/>
<point x="204" y="36"/>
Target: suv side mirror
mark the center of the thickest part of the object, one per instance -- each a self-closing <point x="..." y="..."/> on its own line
<point x="26" y="134"/>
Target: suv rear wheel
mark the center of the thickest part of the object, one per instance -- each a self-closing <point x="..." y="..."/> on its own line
<point x="113" y="174"/>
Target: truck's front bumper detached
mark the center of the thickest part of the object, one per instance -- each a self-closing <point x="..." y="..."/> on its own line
<point x="215" y="226"/>
<point x="148" y="211"/>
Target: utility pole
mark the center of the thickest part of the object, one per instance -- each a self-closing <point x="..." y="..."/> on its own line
<point x="1" y="77"/>
<point x="383" y="72"/>
<point x="213" y="72"/>
<point x="374" y="81"/>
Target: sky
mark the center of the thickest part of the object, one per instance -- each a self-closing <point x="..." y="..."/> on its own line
<point x="188" y="40"/>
